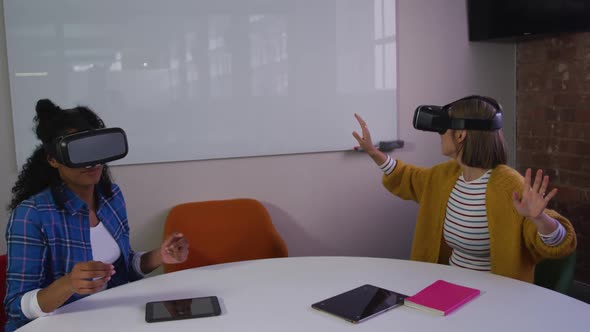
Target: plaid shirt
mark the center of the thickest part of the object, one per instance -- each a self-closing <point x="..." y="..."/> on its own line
<point x="44" y="243"/>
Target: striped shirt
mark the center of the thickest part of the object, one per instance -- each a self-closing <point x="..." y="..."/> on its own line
<point x="44" y="242"/>
<point x="466" y="225"/>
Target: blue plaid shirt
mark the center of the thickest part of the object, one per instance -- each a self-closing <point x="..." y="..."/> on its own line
<point x="44" y="243"/>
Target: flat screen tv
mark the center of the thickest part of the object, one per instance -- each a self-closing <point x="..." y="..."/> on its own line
<point x="506" y="19"/>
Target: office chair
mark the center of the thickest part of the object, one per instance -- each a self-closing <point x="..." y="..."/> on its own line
<point x="556" y="274"/>
<point x="3" y="261"/>
<point x="224" y="231"/>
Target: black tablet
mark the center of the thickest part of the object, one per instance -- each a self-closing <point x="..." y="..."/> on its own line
<point x="361" y="303"/>
<point x="182" y="309"/>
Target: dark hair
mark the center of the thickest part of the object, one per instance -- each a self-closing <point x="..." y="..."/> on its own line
<point x="52" y="122"/>
<point x="481" y="148"/>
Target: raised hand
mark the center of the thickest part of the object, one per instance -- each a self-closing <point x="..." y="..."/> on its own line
<point x="90" y="277"/>
<point x="534" y="197"/>
<point x="364" y="141"/>
<point x="174" y="249"/>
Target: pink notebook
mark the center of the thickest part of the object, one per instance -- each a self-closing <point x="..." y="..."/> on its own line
<point x="441" y="297"/>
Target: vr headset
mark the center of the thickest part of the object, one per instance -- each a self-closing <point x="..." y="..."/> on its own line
<point x="437" y="118"/>
<point x="89" y="148"/>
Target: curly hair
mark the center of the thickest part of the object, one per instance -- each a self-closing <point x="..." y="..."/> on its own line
<point x="37" y="175"/>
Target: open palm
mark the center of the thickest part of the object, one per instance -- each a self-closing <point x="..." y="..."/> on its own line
<point x="534" y="198"/>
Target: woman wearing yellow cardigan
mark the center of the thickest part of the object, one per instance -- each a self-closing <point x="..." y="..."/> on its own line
<point x="475" y="212"/>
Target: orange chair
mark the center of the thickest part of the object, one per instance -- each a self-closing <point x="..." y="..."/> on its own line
<point x="3" y="262"/>
<point x="224" y="231"/>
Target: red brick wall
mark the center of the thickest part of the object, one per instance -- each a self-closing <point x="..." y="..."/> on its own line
<point x="553" y="125"/>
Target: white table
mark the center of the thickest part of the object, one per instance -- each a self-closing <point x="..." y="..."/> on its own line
<point x="276" y="294"/>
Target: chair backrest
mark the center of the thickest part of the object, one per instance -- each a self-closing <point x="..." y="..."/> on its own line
<point x="3" y="260"/>
<point x="224" y="231"/>
<point x="556" y="274"/>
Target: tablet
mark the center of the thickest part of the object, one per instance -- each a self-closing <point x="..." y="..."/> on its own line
<point x="182" y="309"/>
<point x="361" y="303"/>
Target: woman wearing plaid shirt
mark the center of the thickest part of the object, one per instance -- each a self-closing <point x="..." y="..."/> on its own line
<point x="68" y="235"/>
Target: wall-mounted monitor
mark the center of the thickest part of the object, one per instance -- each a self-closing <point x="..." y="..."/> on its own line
<point x="510" y="19"/>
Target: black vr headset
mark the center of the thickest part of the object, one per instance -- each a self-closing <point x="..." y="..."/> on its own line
<point x="89" y="148"/>
<point x="437" y="118"/>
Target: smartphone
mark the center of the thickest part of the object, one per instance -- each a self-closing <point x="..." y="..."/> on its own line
<point x="162" y="311"/>
<point x="361" y="303"/>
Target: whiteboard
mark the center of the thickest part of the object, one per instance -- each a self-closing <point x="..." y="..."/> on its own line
<point x="191" y="80"/>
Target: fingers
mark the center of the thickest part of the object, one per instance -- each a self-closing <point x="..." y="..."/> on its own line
<point x="357" y="137"/>
<point x="92" y="270"/>
<point x="527" y="180"/>
<point x="178" y="252"/>
<point x="538" y="180"/>
<point x="181" y="243"/>
<point x="176" y="240"/>
<point x="534" y="198"/>
<point x="363" y="124"/>
<point x="171" y="238"/>
<point x="540" y="184"/>
<point x="364" y="140"/>
<point x="90" y="277"/>
<point x="94" y="266"/>
<point x="177" y="247"/>
<point x="544" y="185"/>
<point x="360" y="120"/>
<point x="91" y="287"/>
<point x="94" y="274"/>
<point x="551" y="194"/>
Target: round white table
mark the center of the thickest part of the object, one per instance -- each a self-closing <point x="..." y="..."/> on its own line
<point x="276" y="295"/>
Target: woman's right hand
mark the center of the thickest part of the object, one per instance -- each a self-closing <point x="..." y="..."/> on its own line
<point x="366" y="144"/>
<point x="85" y="278"/>
<point x="365" y="141"/>
<point x="90" y="277"/>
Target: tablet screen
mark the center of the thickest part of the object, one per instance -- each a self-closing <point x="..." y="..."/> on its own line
<point x="361" y="303"/>
<point x="182" y="309"/>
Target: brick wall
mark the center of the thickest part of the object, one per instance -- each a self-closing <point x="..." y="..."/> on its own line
<point x="553" y="125"/>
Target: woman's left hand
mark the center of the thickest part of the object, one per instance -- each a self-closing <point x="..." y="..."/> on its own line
<point x="174" y="249"/>
<point x="534" y="199"/>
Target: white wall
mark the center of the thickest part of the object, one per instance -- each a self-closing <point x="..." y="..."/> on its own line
<point x="324" y="203"/>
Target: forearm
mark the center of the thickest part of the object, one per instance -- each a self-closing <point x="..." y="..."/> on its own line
<point x="55" y="295"/>
<point x="545" y="224"/>
<point x="150" y="261"/>
<point x="378" y="157"/>
<point x="547" y="246"/>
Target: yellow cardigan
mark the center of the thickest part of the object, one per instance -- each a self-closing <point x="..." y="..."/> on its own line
<point x="515" y="246"/>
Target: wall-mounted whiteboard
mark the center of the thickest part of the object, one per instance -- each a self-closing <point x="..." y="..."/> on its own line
<point x="206" y="79"/>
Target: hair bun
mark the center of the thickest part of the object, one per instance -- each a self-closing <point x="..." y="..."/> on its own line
<point x="45" y="108"/>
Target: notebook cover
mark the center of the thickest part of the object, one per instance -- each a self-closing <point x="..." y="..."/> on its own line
<point x="442" y="296"/>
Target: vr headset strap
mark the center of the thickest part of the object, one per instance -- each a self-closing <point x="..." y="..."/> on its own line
<point x="477" y="124"/>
